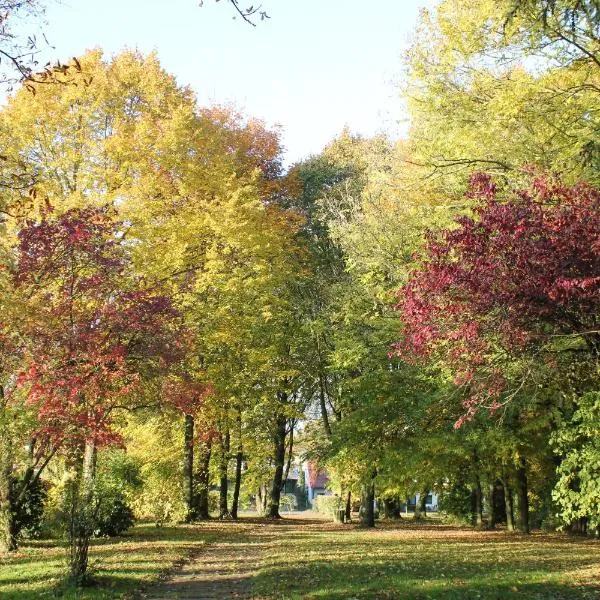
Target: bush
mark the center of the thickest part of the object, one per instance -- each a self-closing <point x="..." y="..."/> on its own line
<point x="113" y="516"/>
<point x="455" y="503"/>
<point x="29" y="512"/>
<point x="288" y="502"/>
<point x="328" y="505"/>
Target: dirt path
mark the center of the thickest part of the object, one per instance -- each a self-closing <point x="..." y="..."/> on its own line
<point x="224" y="569"/>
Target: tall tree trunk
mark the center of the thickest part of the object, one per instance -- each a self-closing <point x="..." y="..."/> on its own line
<point x="522" y="499"/>
<point x="510" y="507"/>
<point x="478" y="502"/>
<point x="83" y="515"/>
<point x="238" y="470"/>
<point x="368" y="504"/>
<point x="324" y="415"/>
<point x="279" y="455"/>
<point x="223" y="511"/>
<point x="423" y="503"/>
<point x="493" y="517"/>
<point x="8" y="541"/>
<point x="348" y="507"/>
<point x="188" y="468"/>
<point x="203" y="481"/>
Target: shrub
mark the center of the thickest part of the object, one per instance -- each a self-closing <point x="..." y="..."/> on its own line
<point x="328" y="505"/>
<point x="288" y="502"/>
<point x="455" y="503"/>
<point x="28" y="513"/>
<point x="113" y="516"/>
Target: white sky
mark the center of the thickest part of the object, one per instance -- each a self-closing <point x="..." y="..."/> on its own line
<point x="314" y="67"/>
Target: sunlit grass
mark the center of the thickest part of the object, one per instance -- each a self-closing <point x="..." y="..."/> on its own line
<point x="118" y="566"/>
<point x="427" y="561"/>
<point x="318" y="560"/>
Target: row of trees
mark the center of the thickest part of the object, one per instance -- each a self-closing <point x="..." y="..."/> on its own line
<point x="481" y="231"/>
<point x="173" y="303"/>
<point x="150" y="267"/>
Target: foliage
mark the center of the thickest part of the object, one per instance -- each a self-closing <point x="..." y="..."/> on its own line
<point x="520" y="278"/>
<point x="29" y="511"/>
<point x="577" y="442"/>
<point x="328" y="505"/>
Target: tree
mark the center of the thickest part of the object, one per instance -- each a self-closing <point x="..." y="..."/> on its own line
<point x="93" y="333"/>
<point x="506" y="305"/>
<point x="247" y="13"/>
<point x="496" y="86"/>
<point x="519" y="278"/>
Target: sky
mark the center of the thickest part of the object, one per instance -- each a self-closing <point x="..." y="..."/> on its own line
<point x="314" y="67"/>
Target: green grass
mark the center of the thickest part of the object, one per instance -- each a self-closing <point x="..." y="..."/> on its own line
<point x="308" y="559"/>
<point x="410" y="560"/>
<point x="119" y="566"/>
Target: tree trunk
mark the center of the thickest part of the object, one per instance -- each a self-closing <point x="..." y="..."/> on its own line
<point x="203" y="481"/>
<point x="238" y="481"/>
<point x="348" y="507"/>
<point x="223" y="511"/>
<point x="368" y="504"/>
<point x="324" y="414"/>
<point x="82" y="516"/>
<point x="279" y="440"/>
<point x="522" y="499"/>
<point x="8" y="539"/>
<point x="388" y="508"/>
<point x="491" y="508"/>
<point x="508" y="502"/>
<point x="478" y="503"/>
<point x="423" y="503"/>
<point x="188" y="468"/>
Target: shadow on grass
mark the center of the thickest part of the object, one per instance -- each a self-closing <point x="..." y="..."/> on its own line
<point x="431" y="561"/>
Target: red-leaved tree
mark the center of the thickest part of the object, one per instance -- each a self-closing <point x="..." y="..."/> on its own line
<point x="521" y="277"/>
<point x="91" y="335"/>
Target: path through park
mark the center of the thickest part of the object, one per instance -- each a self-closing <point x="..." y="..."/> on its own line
<point x="308" y="558"/>
<point x="225" y="568"/>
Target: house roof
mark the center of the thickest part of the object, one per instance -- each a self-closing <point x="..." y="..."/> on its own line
<point x="317" y="478"/>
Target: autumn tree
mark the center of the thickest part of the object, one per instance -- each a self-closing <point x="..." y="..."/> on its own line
<point x="93" y="333"/>
<point x="507" y="301"/>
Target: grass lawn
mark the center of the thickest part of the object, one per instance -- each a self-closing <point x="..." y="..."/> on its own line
<point x="306" y="559"/>
<point x="119" y="566"/>
<point x="410" y="560"/>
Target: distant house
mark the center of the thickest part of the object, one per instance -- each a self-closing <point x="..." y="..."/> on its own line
<point x="431" y="501"/>
<point x="316" y="481"/>
<point x="290" y="485"/>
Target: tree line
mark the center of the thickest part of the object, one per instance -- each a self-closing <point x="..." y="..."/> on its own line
<point x="181" y="316"/>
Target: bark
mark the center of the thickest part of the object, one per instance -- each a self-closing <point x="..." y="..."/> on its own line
<point x="493" y="517"/>
<point x="522" y="499"/>
<point x="223" y="510"/>
<point x="324" y="415"/>
<point x="423" y="503"/>
<point x="508" y="502"/>
<point x="288" y="463"/>
<point x="203" y="481"/>
<point x="368" y="504"/>
<point x="279" y="455"/>
<point x="238" y="481"/>
<point x="348" y="507"/>
<point x="82" y="516"/>
<point x="477" y="503"/>
<point x="188" y="467"/>
<point x="8" y="539"/>
<point x="262" y="499"/>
